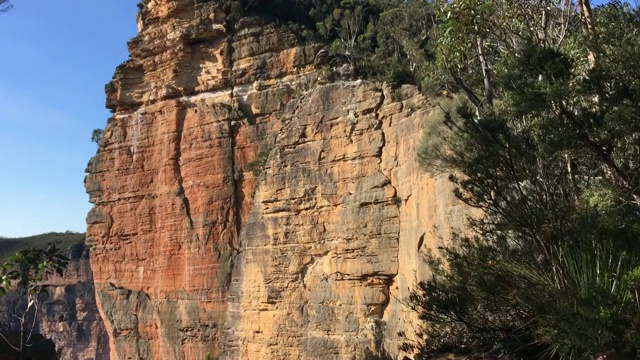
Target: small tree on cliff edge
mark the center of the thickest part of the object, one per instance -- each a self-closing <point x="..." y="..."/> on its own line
<point x="96" y="136"/>
<point x="25" y="273"/>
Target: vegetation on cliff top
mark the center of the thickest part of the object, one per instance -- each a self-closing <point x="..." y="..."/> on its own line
<point x="543" y="138"/>
<point x="363" y="33"/>
<point x="10" y="246"/>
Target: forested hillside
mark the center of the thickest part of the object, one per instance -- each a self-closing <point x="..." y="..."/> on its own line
<point x="10" y="246"/>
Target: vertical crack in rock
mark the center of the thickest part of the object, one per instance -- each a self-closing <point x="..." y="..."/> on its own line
<point x="376" y="113"/>
<point x="304" y="271"/>
<point x="237" y="187"/>
<point x="177" y="168"/>
<point x="236" y="182"/>
<point x="235" y="171"/>
<point x="109" y="220"/>
<point x="286" y="300"/>
<point x="389" y="280"/>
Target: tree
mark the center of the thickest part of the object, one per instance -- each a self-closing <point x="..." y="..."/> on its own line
<point x="96" y="136"/>
<point x="353" y="30"/>
<point x="543" y="138"/>
<point x="25" y="273"/>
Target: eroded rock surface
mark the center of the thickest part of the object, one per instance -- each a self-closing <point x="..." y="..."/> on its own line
<point x="340" y="216"/>
<point x="246" y="208"/>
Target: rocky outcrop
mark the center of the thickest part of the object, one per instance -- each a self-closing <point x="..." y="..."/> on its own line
<point x="340" y="217"/>
<point x="246" y="207"/>
<point x="68" y="314"/>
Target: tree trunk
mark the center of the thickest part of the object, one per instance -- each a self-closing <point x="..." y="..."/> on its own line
<point x="586" y="17"/>
<point x="486" y="73"/>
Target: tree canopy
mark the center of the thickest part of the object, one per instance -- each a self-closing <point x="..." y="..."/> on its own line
<point x="542" y="134"/>
<point x="356" y="30"/>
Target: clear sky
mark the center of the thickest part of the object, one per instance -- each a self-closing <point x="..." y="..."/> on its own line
<point x="56" y="57"/>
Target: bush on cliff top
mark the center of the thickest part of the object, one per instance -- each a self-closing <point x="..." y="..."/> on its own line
<point x="363" y="32"/>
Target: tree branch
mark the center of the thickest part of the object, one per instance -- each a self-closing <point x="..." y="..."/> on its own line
<point x="619" y="176"/>
<point x="8" y="342"/>
<point x="486" y="73"/>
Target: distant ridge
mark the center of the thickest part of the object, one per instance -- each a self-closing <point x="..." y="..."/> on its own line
<point x="64" y="240"/>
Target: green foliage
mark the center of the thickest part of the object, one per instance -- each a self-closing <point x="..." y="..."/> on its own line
<point x="96" y="136"/>
<point x="361" y="33"/>
<point x="10" y="246"/>
<point x="28" y="268"/>
<point x="550" y="268"/>
<point x="257" y="166"/>
<point x="25" y="273"/>
<point x="208" y="356"/>
<point x="25" y="263"/>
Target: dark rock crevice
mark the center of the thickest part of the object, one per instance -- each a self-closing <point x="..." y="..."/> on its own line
<point x="177" y="166"/>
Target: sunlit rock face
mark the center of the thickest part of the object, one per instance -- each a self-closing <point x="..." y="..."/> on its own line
<point x="339" y="219"/>
<point x="245" y="207"/>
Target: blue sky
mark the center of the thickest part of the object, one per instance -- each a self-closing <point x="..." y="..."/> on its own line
<point x="57" y="55"/>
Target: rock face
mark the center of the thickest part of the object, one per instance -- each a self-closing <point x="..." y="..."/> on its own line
<point x="68" y="312"/>
<point x="245" y="207"/>
<point x="340" y="216"/>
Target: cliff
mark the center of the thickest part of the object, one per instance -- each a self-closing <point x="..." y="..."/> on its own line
<point x="68" y="314"/>
<point x="248" y="207"/>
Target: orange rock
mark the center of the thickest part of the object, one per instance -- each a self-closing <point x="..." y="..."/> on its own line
<point x="193" y="253"/>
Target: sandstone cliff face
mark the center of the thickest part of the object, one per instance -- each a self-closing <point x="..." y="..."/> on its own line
<point x="244" y="207"/>
<point x="339" y="219"/>
<point x="68" y="313"/>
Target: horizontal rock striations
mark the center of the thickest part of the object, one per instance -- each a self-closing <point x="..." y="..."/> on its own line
<point x="247" y="208"/>
<point x="340" y="217"/>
